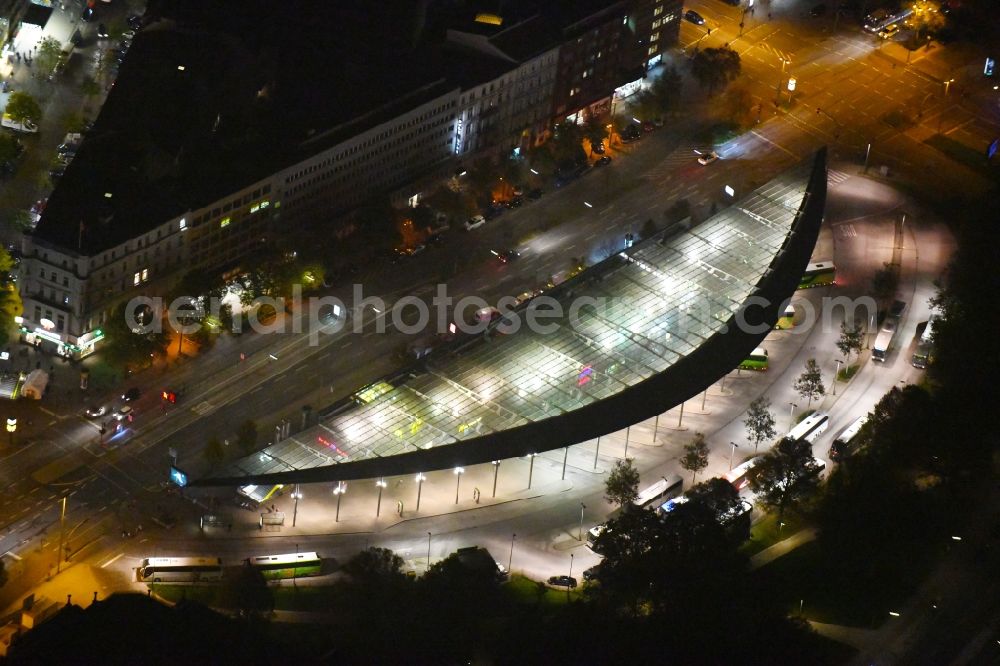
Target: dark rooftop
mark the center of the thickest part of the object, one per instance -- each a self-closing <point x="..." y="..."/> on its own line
<point x="258" y="79"/>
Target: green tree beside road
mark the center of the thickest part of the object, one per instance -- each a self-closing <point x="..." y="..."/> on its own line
<point x="49" y="53"/>
<point x="21" y="106"/>
<point x="785" y="476"/>
<point x="759" y="422"/>
<point x="124" y="346"/>
<point x="622" y="485"/>
<point x="715" y="67"/>
<point x="852" y="339"/>
<point x="695" y="457"/>
<point x="810" y="383"/>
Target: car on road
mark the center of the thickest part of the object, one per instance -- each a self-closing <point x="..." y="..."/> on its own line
<point x="88" y="13"/>
<point x="102" y="31"/>
<point x="889" y="31"/>
<point x="124" y="412"/>
<point x="630" y="133"/>
<point x="131" y="395"/>
<point x="604" y="161"/>
<point x="526" y="296"/>
<point x="474" y="222"/>
<point x="57" y="172"/>
<point x="96" y="411"/>
<point x="597" y="147"/>
<point x="563" y="581"/>
<point x="134" y="21"/>
<point x="591" y="573"/>
<point x="507" y="256"/>
<point x="411" y="251"/>
<point x="648" y="126"/>
<point x="708" y="158"/>
<point x="516" y="202"/>
<point x="694" y="17"/>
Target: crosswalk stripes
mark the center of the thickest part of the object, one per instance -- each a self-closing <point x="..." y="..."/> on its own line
<point x="680" y="156"/>
<point x="781" y="55"/>
<point x="835" y="177"/>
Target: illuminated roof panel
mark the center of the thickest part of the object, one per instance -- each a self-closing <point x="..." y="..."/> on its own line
<point x="655" y="304"/>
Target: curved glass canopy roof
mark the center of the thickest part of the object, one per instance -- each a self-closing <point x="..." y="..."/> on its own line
<point x="647" y="307"/>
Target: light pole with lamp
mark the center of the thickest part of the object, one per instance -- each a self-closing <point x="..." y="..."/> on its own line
<point x="510" y="559"/>
<point x="781" y="79"/>
<point x="459" y="471"/>
<point x="791" y="412"/>
<point x="296" y="496"/>
<point x="496" y="470"/>
<point x="378" y="506"/>
<point x="339" y="492"/>
<point x="570" y="574"/>
<point x="732" y="454"/>
<point x="420" y="486"/>
<point x="531" y="467"/>
<point x="428" y="551"/>
<point x="836" y="375"/>
<point x="582" y="507"/>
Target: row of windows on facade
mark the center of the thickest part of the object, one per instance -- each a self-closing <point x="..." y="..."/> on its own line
<point x="367" y="167"/>
<point x="422" y="137"/>
<point x="230" y="205"/>
<point x="60" y="319"/>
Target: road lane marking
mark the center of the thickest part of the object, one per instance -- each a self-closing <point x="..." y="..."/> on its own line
<point x="111" y="561"/>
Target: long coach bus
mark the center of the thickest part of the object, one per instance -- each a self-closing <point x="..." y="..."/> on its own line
<point x="846" y="441"/>
<point x="881" y="18"/>
<point x="819" y="274"/>
<point x="661" y="491"/>
<point x="292" y="565"/>
<point x="811" y="427"/>
<point x="179" y="569"/>
<point x="925" y="346"/>
<point x="886" y="336"/>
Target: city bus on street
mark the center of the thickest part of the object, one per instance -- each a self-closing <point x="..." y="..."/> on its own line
<point x="738" y="476"/>
<point x="882" y="18"/>
<point x="846" y="441"/>
<point x="665" y="489"/>
<point x="886" y="336"/>
<point x="810" y="427"/>
<point x="292" y="565"/>
<point x="819" y="274"/>
<point x="756" y="361"/>
<point x="179" y="569"/>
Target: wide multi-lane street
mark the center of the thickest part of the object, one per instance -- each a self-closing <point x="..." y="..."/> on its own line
<point x="848" y="95"/>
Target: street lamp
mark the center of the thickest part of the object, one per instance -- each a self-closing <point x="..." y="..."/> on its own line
<point x="582" y="507"/>
<point x="732" y="453"/>
<point x="339" y="492"/>
<point x="947" y="86"/>
<point x="378" y="507"/>
<point x="791" y="412"/>
<point x="781" y="78"/>
<point x="296" y="495"/>
<point x="836" y="376"/>
<point x="510" y="559"/>
<point x="531" y="467"/>
<point x="11" y="427"/>
<point x="496" y="471"/>
<point x="459" y="471"/>
<point x="570" y="574"/>
<point x="428" y="551"/>
<point x="420" y="485"/>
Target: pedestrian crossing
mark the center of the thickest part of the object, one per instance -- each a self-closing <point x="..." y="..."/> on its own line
<point x="682" y="155"/>
<point x="835" y="177"/>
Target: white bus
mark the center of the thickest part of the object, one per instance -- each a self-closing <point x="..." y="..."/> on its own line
<point x="291" y="565"/>
<point x="661" y="491"/>
<point x="738" y="475"/>
<point x="842" y="446"/>
<point x="179" y="569"/>
<point x="811" y="427"/>
<point x="925" y="346"/>
<point x="881" y="18"/>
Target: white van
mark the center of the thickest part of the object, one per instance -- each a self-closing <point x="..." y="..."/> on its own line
<point x="474" y="222"/>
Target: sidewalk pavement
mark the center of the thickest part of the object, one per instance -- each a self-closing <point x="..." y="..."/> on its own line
<point x="783" y="547"/>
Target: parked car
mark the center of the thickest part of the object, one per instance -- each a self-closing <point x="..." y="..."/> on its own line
<point x="563" y="581"/>
<point x="597" y="147"/>
<point x="648" y="126"/>
<point x="96" y="411"/>
<point x="131" y="395"/>
<point x="591" y="573"/>
<point x="507" y="256"/>
<point x="535" y="194"/>
<point x="474" y="222"/>
<point x="694" y="17"/>
<point x="708" y="158"/>
<point x="889" y="31"/>
<point x="102" y="31"/>
<point x="123" y="412"/>
<point x="604" y="161"/>
<point x="515" y="202"/>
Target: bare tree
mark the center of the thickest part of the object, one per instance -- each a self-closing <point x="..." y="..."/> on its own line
<point x="810" y="383"/>
<point x="760" y="422"/>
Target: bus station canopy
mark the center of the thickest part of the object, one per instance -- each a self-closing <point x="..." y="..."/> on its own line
<point x="658" y="302"/>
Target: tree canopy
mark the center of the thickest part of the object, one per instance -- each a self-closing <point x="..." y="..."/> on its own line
<point x="810" y="383"/>
<point x="695" y="457"/>
<point x="715" y="67"/>
<point x="622" y="485"/>
<point x="759" y="421"/>
<point x="21" y="106"/>
<point x="785" y="476"/>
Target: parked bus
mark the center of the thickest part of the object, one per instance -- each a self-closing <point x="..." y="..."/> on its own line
<point x="925" y="346"/>
<point x="179" y="569"/>
<point x="886" y="336"/>
<point x="664" y="489"/>
<point x="738" y="476"/>
<point x="843" y="446"/>
<point x="756" y="361"/>
<point x="819" y="274"/>
<point x="292" y="565"/>
<point x="811" y="427"/>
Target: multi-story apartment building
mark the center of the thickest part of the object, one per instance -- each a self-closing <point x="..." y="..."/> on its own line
<point x="209" y="139"/>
